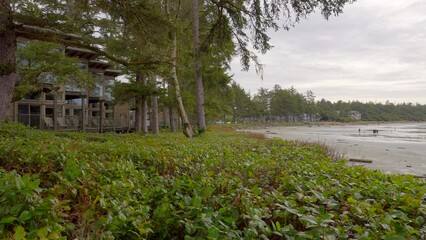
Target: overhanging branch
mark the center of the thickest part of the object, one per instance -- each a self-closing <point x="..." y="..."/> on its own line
<point x="49" y="35"/>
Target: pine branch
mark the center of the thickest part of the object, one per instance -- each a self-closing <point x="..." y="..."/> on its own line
<point x="74" y="40"/>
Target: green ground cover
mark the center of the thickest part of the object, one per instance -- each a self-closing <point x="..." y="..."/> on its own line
<point x="223" y="185"/>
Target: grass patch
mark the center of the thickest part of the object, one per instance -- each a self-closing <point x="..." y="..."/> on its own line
<point x="222" y="185"/>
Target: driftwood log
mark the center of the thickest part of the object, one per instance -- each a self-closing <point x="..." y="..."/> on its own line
<point x="360" y="160"/>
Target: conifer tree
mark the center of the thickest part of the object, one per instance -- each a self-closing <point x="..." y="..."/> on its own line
<point x="8" y="74"/>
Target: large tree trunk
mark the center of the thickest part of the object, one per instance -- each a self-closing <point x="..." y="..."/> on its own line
<point x="154" y="114"/>
<point x="8" y="75"/>
<point x="172" y="111"/>
<point x="144" y="110"/>
<point x="187" y="128"/>
<point x="141" y="118"/>
<point x="173" y="119"/>
<point x="199" y="92"/>
<point x="139" y="107"/>
<point x="154" y="110"/>
<point x="55" y="110"/>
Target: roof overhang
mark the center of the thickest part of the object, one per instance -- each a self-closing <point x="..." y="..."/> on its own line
<point x="98" y="64"/>
<point x="112" y="73"/>
<point x="80" y="53"/>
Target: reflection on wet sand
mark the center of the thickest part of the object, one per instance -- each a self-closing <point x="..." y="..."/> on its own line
<point x="393" y="148"/>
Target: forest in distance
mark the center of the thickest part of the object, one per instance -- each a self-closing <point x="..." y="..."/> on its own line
<point x="290" y="105"/>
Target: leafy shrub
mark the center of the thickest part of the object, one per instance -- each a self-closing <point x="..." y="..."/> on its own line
<point x="25" y="212"/>
<point x="219" y="186"/>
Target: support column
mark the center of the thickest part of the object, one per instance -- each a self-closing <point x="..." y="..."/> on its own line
<point x="113" y="118"/>
<point x="55" y="111"/>
<point x="83" y="117"/>
<point x="101" y="116"/>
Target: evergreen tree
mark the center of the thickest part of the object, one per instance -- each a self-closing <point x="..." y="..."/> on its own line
<point x="8" y="74"/>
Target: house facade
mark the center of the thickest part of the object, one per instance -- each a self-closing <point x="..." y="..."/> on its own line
<point x="68" y="107"/>
<point x="355" y="115"/>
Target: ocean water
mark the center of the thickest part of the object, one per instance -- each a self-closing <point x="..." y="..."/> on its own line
<point x="402" y="133"/>
<point x="393" y="148"/>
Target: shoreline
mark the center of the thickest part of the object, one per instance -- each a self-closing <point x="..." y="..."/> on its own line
<point x="394" y="149"/>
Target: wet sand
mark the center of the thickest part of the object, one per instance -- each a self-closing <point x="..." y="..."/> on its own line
<point x="396" y="148"/>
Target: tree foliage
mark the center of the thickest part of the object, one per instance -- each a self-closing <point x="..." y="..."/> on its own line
<point x="370" y="111"/>
<point x="226" y="28"/>
<point x="250" y="21"/>
<point x="290" y="105"/>
<point x="41" y="62"/>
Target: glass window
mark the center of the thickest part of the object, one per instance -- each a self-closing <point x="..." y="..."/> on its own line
<point x="49" y="78"/>
<point x="77" y="102"/>
<point x="77" y="112"/>
<point x="109" y="106"/>
<point x="83" y="66"/>
<point x="49" y="97"/>
<point x="35" y="109"/>
<point x="72" y="87"/>
<point x="29" y="115"/>
<point x="23" y="109"/>
<point x="49" y="112"/>
<point x="99" y="89"/>
<point x="108" y="89"/>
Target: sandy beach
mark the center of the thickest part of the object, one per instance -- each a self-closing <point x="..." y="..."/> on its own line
<point x="393" y="148"/>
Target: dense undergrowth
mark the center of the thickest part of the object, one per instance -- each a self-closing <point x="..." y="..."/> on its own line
<point x="223" y="185"/>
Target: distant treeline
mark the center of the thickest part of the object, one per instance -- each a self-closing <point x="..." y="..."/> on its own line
<point x="289" y="105"/>
<point x="370" y="111"/>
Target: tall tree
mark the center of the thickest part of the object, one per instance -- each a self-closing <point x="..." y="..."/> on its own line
<point x="262" y="101"/>
<point x="175" y="11"/>
<point x="187" y="128"/>
<point x="139" y="106"/>
<point x="199" y="91"/>
<point x="8" y="75"/>
<point x="154" y="108"/>
<point x="310" y="105"/>
<point x="238" y="17"/>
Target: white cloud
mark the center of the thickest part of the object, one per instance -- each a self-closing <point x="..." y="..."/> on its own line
<point x="374" y="51"/>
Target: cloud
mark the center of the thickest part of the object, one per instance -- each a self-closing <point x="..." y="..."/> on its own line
<point x="374" y="51"/>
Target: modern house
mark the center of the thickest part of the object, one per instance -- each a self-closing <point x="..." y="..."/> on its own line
<point x="67" y="107"/>
<point x="355" y="115"/>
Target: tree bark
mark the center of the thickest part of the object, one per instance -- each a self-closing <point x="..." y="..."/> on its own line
<point x="55" y="110"/>
<point x="173" y="119"/>
<point x="139" y="107"/>
<point x="8" y="75"/>
<point x="141" y="114"/>
<point x="187" y="128"/>
<point x="144" y="110"/>
<point x="154" y="114"/>
<point x="172" y="111"/>
<point x="199" y="92"/>
<point x="83" y="114"/>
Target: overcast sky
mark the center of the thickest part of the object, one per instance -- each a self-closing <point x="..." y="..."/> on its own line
<point x="374" y="51"/>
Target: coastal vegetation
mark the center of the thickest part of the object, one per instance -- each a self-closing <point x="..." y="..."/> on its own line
<point x="290" y="105"/>
<point x="223" y="185"/>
